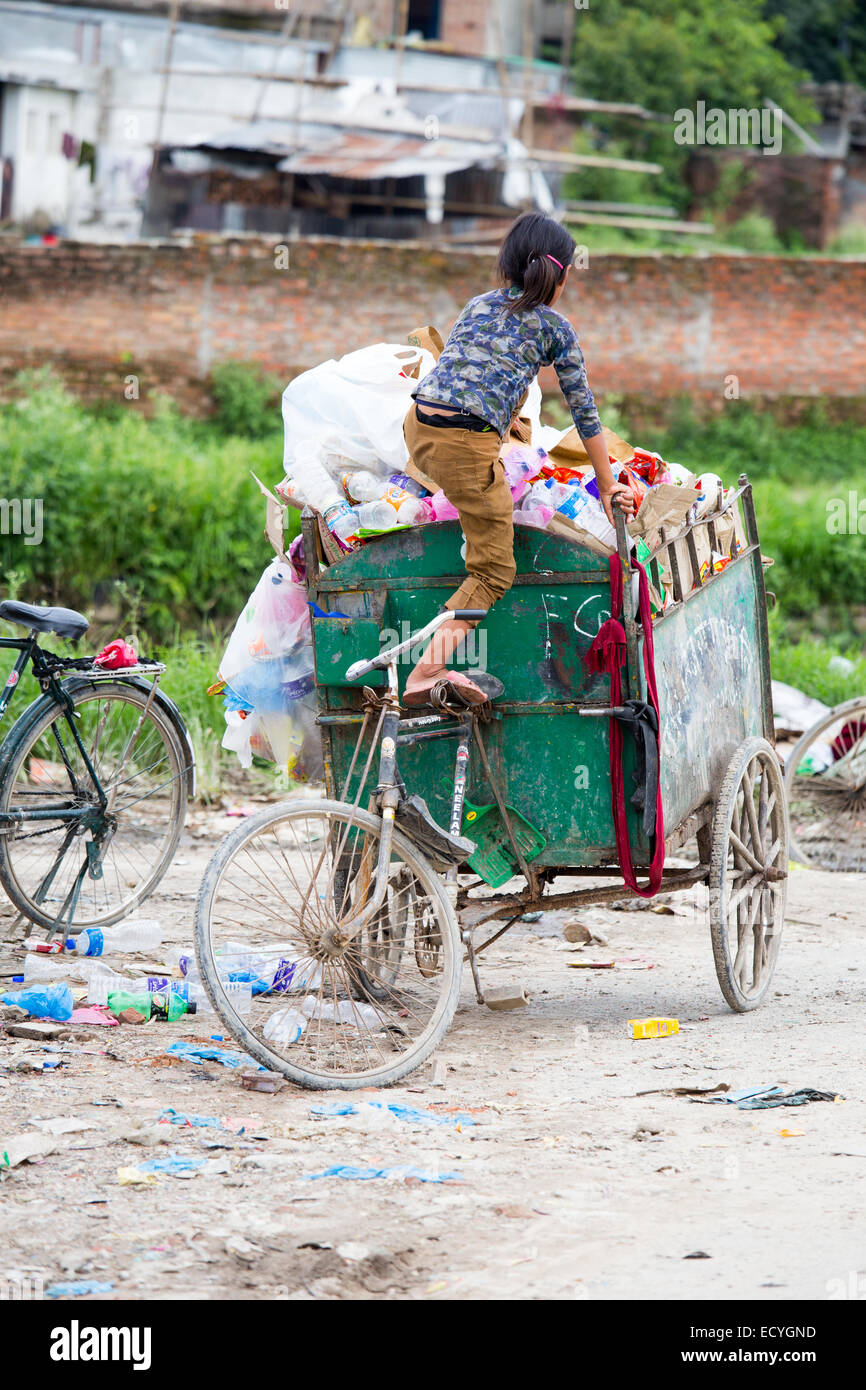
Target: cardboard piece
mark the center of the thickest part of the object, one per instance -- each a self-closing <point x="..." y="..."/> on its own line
<point x="24" y="1148"/>
<point x="665" y="505"/>
<point x="570" y="453"/>
<point x="275" y="518"/>
<point x="561" y="525"/>
<point x="729" y="530"/>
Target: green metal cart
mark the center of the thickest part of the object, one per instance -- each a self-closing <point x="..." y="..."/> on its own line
<point x="398" y="910"/>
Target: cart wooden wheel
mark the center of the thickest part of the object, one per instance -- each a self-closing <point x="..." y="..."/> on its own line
<point x="748" y="874"/>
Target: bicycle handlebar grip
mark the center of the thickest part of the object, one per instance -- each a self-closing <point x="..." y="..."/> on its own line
<point x="469" y="615"/>
<point x="360" y="668"/>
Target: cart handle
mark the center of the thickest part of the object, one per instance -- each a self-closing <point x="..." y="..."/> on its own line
<point x="385" y="658"/>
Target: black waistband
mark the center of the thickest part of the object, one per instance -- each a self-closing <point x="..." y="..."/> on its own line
<point x="460" y="420"/>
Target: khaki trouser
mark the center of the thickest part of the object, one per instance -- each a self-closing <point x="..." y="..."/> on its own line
<point x="467" y="467"/>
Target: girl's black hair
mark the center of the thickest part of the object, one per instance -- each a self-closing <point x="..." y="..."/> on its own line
<point x="524" y="259"/>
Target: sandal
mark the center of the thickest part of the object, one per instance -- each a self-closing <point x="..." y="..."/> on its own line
<point x="446" y="692"/>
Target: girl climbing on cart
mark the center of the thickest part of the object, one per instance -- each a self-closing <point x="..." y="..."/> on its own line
<point x="464" y="410"/>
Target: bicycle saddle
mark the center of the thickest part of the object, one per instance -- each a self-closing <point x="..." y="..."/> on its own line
<point x="64" y="621"/>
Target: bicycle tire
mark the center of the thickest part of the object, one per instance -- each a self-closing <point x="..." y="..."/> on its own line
<point x="256" y="1046"/>
<point x="31" y="726"/>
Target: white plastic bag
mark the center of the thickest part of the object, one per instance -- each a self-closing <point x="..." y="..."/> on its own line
<point x="354" y="408"/>
<point x="268" y="673"/>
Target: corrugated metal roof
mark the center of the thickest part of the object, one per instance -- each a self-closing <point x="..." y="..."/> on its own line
<point x="365" y="155"/>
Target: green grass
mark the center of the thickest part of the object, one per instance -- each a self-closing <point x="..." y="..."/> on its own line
<point x="164" y="506"/>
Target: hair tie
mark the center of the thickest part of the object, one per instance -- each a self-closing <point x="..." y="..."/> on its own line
<point x="555" y="261"/>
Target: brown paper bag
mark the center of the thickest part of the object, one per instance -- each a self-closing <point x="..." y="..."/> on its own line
<point x="570" y="453"/>
<point x="429" y="338"/>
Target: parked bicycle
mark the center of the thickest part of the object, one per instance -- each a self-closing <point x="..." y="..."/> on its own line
<point x="825" y="783"/>
<point x="94" y="780"/>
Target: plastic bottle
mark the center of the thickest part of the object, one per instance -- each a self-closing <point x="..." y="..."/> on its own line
<point x="315" y="485"/>
<point x="38" y="968"/>
<point x="585" y="511"/>
<point x="137" y="935"/>
<point x="179" y="958"/>
<point x="534" y="514"/>
<point x="267" y="972"/>
<point x="345" y="1011"/>
<point x="377" y="516"/>
<point x="522" y="464"/>
<point x="414" y="511"/>
<point x="284" y="1027"/>
<point x="363" y="486"/>
<point x="346" y="527"/>
<point x="408" y="484"/>
<point x="238" y="992"/>
<point x="43" y="1001"/>
<point x="165" y="1004"/>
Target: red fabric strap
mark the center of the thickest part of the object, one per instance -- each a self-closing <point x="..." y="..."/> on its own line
<point x="607" y="653"/>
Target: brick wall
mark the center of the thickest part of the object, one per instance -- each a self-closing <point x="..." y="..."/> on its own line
<point x="651" y="326"/>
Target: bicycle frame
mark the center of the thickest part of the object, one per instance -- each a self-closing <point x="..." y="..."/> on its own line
<point x="29" y="651"/>
<point x="403" y="733"/>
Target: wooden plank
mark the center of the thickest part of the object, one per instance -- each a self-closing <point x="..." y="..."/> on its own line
<point x="633" y="209"/>
<point x="656" y="224"/>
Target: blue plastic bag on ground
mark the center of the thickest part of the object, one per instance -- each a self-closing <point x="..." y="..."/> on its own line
<point x="44" y="1001"/>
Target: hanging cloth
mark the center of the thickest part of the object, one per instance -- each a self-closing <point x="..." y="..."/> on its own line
<point x="607" y="654"/>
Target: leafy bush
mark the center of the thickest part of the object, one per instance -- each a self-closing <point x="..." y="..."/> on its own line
<point x="164" y="506"/>
<point x="754" y="232"/>
<point x="851" y="241"/>
<point x="247" y="400"/>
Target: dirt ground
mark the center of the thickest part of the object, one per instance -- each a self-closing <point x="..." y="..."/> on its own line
<point x="584" y="1176"/>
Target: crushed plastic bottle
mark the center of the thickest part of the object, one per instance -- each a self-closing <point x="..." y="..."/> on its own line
<point x="238" y="992"/>
<point x="284" y="1027"/>
<point x="142" y="934"/>
<point x="278" y="971"/>
<point x="345" y="1011"/>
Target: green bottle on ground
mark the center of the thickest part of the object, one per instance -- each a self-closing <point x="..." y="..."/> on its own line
<point x="164" y="1004"/>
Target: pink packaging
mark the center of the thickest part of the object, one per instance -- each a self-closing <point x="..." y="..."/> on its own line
<point x="442" y="508"/>
<point x="534" y="516"/>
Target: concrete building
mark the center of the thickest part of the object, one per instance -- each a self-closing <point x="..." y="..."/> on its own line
<point x="87" y="95"/>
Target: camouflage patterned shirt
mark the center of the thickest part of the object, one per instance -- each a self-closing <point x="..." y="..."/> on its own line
<point x="491" y="357"/>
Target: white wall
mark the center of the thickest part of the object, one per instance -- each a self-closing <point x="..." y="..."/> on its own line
<point x="34" y="121"/>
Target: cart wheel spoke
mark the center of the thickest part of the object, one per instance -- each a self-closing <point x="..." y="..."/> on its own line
<point x="748" y="874"/>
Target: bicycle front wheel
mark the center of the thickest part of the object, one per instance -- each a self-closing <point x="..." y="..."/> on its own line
<point x="270" y="911"/>
<point x="67" y="854"/>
